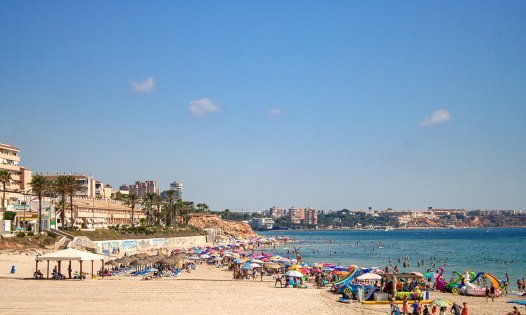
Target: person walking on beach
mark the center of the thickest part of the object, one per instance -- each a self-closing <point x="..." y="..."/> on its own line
<point x="278" y="277"/>
<point x="492" y="293"/>
<point x="487" y="293"/>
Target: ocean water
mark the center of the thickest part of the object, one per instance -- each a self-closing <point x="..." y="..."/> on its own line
<point x="495" y="251"/>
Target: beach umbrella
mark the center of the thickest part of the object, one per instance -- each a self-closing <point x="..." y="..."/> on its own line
<point x="204" y="256"/>
<point x="340" y="268"/>
<point x="304" y="270"/>
<point x="327" y="265"/>
<point x="272" y="266"/>
<point x="238" y="261"/>
<point x="416" y="273"/>
<point x="113" y="263"/>
<point x="254" y="265"/>
<point x="369" y="276"/>
<point x="135" y="263"/>
<point x="326" y="269"/>
<point x="126" y="260"/>
<point x="441" y="303"/>
<point x="257" y="261"/>
<point x="293" y="273"/>
<point x="294" y="267"/>
<point x="166" y="261"/>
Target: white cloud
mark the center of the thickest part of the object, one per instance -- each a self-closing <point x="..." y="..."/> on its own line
<point x="275" y="112"/>
<point x="437" y="117"/>
<point x="145" y="86"/>
<point x="202" y="107"/>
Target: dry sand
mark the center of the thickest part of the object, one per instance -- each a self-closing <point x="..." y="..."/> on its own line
<point x="207" y="290"/>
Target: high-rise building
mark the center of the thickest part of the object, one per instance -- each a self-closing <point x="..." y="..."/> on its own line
<point x="177" y="187"/>
<point x="20" y="176"/>
<point x="142" y="188"/>
<point x="307" y="216"/>
<point x="276" y="212"/>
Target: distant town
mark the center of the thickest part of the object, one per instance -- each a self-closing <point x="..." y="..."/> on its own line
<point x="92" y="204"/>
<point x="388" y="219"/>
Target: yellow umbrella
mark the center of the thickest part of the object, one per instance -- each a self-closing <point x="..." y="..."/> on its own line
<point x="295" y="267"/>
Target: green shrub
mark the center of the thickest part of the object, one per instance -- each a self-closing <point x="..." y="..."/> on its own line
<point x="30" y="233"/>
<point x="20" y="234"/>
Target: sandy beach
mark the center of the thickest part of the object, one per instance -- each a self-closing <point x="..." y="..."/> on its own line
<point x="207" y="290"/>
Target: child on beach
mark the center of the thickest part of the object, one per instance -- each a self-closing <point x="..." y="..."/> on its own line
<point x="405" y="306"/>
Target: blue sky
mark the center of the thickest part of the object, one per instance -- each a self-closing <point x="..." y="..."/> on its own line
<point x="251" y="104"/>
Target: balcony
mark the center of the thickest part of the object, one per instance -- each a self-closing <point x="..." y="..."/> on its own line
<point x="9" y="156"/>
<point x="10" y="167"/>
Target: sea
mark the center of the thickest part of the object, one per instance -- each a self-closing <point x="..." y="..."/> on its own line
<point x="492" y="250"/>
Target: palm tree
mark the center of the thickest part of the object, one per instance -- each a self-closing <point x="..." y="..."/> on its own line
<point x="188" y="207"/>
<point x="157" y="202"/>
<point x="73" y="188"/>
<point x="202" y="207"/>
<point x="61" y="186"/>
<point x="39" y="185"/>
<point x="132" y="200"/>
<point x="147" y="206"/>
<point x="119" y="196"/>
<point x="5" y="179"/>
<point x="171" y="208"/>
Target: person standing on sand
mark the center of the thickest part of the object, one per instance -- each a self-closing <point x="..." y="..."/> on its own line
<point x="425" y="311"/>
<point x="455" y="309"/>
<point x="416" y="308"/>
<point x="487" y="293"/>
<point x="394" y="307"/>
<point x="405" y="306"/>
<point x="465" y="309"/>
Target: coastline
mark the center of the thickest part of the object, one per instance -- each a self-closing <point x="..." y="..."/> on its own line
<point x="394" y="229"/>
<point x="207" y="290"/>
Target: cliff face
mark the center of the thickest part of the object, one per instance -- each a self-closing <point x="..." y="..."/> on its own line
<point x="222" y="227"/>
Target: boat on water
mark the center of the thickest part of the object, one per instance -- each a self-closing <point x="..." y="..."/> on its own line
<point x="388" y="228"/>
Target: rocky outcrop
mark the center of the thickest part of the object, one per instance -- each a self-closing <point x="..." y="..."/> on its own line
<point x="221" y="227"/>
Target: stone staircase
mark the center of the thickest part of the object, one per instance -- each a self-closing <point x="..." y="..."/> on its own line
<point x="64" y="242"/>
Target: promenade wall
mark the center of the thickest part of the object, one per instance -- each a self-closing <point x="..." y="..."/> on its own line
<point x="110" y="246"/>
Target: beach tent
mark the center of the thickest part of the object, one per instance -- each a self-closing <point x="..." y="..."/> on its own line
<point x="69" y="254"/>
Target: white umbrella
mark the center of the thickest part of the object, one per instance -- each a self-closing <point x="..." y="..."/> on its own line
<point x="369" y="276"/>
<point x="293" y="273"/>
<point x="204" y="256"/>
<point x="254" y="265"/>
<point x="257" y="261"/>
